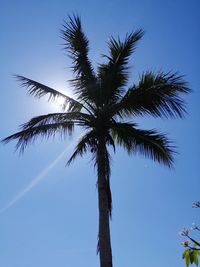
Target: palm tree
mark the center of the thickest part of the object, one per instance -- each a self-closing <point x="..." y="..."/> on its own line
<point x="105" y="109"/>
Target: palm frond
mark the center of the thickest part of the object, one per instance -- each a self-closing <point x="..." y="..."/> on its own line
<point x="149" y="143"/>
<point x="157" y="95"/>
<point x="39" y="90"/>
<point x="114" y="74"/>
<point x="110" y="141"/>
<point x="88" y="141"/>
<point x="29" y="135"/>
<point x="75" y="117"/>
<point x="77" y="45"/>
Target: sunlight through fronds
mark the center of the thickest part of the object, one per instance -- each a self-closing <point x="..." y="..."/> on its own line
<point x="103" y="104"/>
<point x="39" y="90"/>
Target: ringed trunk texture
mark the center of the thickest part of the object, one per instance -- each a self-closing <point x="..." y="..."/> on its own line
<point x="104" y="242"/>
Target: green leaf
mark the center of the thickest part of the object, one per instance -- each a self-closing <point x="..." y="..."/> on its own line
<point x="191" y="256"/>
<point x="183" y="255"/>
<point x="196" y="259"/>
<point x="187" y="257"/>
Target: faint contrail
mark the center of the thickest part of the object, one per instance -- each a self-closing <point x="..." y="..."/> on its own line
<point x="36" y="180"/>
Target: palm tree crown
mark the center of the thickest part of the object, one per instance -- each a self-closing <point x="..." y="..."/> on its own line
<point x="105" y="108"/>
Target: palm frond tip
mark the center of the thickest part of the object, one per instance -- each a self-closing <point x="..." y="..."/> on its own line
<point x="149" y="143"/>
<point x="39" y="90"/>
<point x="77" y="45"/>
<point x="29" y="135"/>
<point x="114" y="74"/>
<point x="158" y="95"/>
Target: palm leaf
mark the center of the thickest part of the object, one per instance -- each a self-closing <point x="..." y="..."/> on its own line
<point x="39" y="90"/>
<point x="114" y="74"/>
<point x="149" y="143"/>
<point x="157" y="95"/>
<point x="88" y="141"/>
<point x="28" y="135"/>
<point x="110" y="141"/>
<point x="77" y="45"/>
<point x="75" y="117"/>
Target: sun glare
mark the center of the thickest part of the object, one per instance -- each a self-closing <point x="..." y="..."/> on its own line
<point x="60" y="101"/>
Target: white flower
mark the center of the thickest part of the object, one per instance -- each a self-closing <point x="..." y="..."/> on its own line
<point x="194" y="227"/>
<point x="184" y="231"/>
<point x="196" y="204"/>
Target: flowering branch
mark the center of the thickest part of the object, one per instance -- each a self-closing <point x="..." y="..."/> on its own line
<point x="192" y="252"/>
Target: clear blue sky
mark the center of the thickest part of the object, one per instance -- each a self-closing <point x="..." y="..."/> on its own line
<point x="55" y="222"/>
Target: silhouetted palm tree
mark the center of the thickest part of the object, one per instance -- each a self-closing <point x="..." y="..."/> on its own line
<point x="103" y="109"/>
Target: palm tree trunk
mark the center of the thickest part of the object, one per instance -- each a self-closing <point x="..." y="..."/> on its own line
<point x="104" y="242"/>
